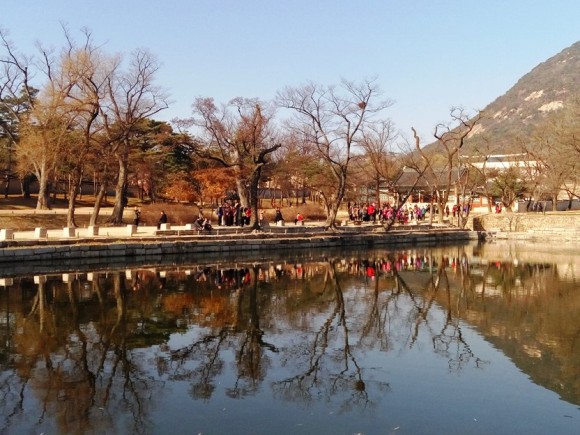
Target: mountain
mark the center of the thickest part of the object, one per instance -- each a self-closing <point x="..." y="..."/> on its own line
<point x="548" y="88"/>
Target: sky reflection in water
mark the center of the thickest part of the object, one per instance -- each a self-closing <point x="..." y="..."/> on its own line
<point x="461" y="339"/>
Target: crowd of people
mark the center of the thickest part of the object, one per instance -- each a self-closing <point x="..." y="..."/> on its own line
<point x="370" y="212"/>
<point x="229" y="214"/>
<point x="233" y="214"/>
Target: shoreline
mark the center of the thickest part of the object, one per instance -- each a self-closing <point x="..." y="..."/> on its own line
<point x="93" y="250"/>
<point x="94" y="245"/>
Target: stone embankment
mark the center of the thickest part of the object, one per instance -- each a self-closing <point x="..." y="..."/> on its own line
<point x="179" y="241"/>
<point x="564" y="226"/>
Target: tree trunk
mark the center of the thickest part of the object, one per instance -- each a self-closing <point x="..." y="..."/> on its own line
<point x="442" y="203"/>
<point x="253" y="198"/>
<point x="507" y="205"/>
<point x="120" y="190"/>
<point x="441" y="212"/>
<point x="25" y="186"/>
<point x="333" y="205"/>
<point x="98" y="202"/>
<point x="70" y="217"/>
<point x="42" y="202"/>
<point x="73" y="186"/>
<point x="331" y="212"/>
<point x="242" y="192"/>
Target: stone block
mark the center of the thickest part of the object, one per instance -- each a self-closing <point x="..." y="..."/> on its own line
<point x="131" y="229"/>
<point x="68" y="232"/>
<point x="92" y="231"/>
<point x="6" y="234"/>
<point x="40" y="233"/>
<point x="165" y="227"/>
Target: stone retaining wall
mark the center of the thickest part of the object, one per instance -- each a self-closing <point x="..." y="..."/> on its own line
<point x="530" y="225"/>
<point x="90" y="250"/>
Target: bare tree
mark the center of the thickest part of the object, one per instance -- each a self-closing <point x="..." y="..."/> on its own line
<point x="443" y="166"/>
<point x="555" y="152"/>
<point x="44" y="127"/>
<point x="89" y="69"/>
<point x="381" y="162"/>
<point x="132" y="96"/>
<point x="238" y="136"/>
<point x="82" y="92"/>
<point x="332" y="120"/>
<point x="477" y="164"/>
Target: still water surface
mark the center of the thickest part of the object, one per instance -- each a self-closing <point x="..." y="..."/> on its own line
<point x="473" y="339"/>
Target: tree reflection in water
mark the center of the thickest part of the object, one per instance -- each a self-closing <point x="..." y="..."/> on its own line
<point x="84" y="375"/>
<point x="330" y="366"/>
<point x="96" y="354"/>
<point x="243" y="334"/>
<point x="448" y="340"/>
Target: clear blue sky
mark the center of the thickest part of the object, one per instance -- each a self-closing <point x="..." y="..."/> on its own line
<point x="428" y="55"/>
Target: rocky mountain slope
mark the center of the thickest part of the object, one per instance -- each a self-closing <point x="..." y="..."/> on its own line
<point x="547" y="89"/>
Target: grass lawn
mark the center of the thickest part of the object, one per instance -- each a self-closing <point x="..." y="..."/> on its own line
<point x="19" y="214"/>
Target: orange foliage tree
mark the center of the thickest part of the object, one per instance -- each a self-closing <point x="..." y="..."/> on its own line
<point x="214" y="183"/>
<point x="180" y="189"/>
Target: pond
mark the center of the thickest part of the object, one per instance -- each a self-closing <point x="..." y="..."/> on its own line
<point x="469" y="339"/>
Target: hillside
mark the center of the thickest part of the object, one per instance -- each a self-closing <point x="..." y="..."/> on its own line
<point x="546" y="89"/>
